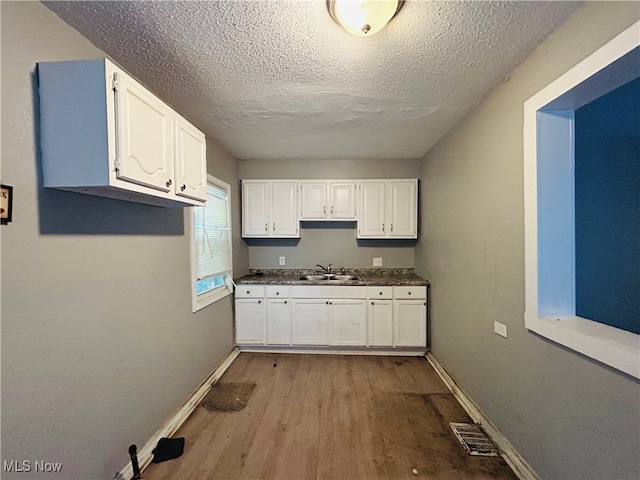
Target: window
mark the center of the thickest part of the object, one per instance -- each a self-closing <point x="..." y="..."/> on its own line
<point x="554" y="265"/>
<point x="211" y="266"/>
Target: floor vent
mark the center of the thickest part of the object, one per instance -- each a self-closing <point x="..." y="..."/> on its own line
<point x="474" y="440"/>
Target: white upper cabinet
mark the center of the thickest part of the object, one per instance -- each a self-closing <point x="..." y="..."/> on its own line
<point x="402" y="206"/>
<point x="283" y="209"/>
<point x="269" y="208"/>
<point x="372" y="209"/>
<point x="388" y="209"/>
<point x="191" y="176"/>
<point x="328" y="200"/>
<point x="105" y="134"/>
<point x="255" y="209"/>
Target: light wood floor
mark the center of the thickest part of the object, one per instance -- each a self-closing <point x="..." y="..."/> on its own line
<point x="330" y="417"/>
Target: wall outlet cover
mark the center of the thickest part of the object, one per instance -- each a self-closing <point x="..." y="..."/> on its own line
<point x="281" y="261"/>
<point x="377" y="261"/>
<point x="500" y="329"/>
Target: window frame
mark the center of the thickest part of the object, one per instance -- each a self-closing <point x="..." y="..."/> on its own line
<point x="614" y="347"/>
<point x="200" y="301"/>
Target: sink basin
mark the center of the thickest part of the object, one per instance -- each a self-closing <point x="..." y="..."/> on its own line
<point x="315" y="278"/>
<point x="327" y="277"/>
<point x="345" y="277"/>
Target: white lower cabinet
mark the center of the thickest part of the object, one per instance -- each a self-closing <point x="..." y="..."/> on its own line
<point x="379" y="316"/>
<point x="310" y="321"/>
<point x="278" y="315"/>
<point x="347" y="319"/>
<point x="341" y="316"/>
<point x="250" y="321"/>
<point x="409" y="316"/>
<point x="250" y="315"/>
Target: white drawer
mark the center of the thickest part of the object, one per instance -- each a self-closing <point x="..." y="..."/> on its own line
<point x="379" y="292"/>
<point x="249" y="291"/>
<point x="277" y="291"/>
<point x="419" y="293"/>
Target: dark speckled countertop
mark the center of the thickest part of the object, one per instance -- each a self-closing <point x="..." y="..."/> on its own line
<point x="367" y="276"/>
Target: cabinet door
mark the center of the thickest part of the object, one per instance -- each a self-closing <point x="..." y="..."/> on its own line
<point x="348" y="320"/>
<point x="403" y="204"/>
<point x="190" y="161"/>
<point x="284" y="209"/>
<point x="144" y="138"/>
<point x="410" y="323"/>
<point x="372" y="210"/>
<point x="250" y="324"/>
<point x="343" y="201"/>
<point x="313" y="197"/>
<point x="278" y="322"/>
<point x="255" y="209"/>
<point x="310" y="322"/>
<point x="379" y="323"/>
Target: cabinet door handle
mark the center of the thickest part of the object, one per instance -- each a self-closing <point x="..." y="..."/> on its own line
<point x="383" y="227"/>
<point x="371" y="303"/>
<point x="327" y="302"/>
<point x="392" y="227"/>
<point x="169" y="182"/>
<point x="266" y="227"/>
<point x="277" y="293"/>
<point x="259" y="301"/>
<point x="274" y="226"/>
<point x="183" y="187"/>
<point x="331" y="209"/>
<point x="324" y="210"/>
<point x="285" y="302"/>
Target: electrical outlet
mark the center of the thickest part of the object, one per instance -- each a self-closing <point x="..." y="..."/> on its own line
<point x="281" y="261"/>
<point x="500" y="329"/>
<point x="377" y="261"/>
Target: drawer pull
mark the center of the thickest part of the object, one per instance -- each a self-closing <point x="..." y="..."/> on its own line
<point x="409" y="293"/>
<point x="277" y="293"/>
<point x="380" y="293"/>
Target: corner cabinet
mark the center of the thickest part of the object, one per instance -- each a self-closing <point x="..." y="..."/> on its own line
<point x="388" y="209"/>
<point x="270" y="209"/>
<point x="104" y="134"/>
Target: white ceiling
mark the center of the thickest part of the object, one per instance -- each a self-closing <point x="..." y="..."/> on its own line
<point x="279" y="79"/>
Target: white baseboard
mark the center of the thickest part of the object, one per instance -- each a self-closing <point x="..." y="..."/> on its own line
<point x="178" y="418"/>
<point x="338" y="351"/>
<point x="518" y="464"/>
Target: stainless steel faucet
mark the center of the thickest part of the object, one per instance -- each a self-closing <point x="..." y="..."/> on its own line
<point x="326" y="269"/>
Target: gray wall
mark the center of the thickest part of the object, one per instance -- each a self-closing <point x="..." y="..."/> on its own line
<point x="334" y="242"/>
<point x="569" y="416"/>
<point x="99" y="345"/>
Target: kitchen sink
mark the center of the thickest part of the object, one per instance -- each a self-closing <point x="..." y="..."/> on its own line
<point x="315" y="278"/>
<point x="327" y="277"/>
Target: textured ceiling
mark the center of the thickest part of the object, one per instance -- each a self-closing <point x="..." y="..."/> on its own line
<point x="279" y="79"/>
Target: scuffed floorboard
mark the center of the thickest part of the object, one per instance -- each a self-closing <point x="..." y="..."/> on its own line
<point x="330" y="417"/>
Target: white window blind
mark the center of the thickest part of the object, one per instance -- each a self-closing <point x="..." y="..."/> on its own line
<point x="212" y="260"/>
<point x="213" y="245"/>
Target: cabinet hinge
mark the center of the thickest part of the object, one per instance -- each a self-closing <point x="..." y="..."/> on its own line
<point x="116" y="164"/>
<point x="114" y="82"/>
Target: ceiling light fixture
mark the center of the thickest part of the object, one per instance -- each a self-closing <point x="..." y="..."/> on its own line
<point x="363" y="17"/>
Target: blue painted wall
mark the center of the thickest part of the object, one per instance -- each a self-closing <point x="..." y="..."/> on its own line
<point x="607" y="208"/>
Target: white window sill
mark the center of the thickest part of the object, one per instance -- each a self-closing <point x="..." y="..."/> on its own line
<point x="208" y="298"/>
<point x="612" y="346"/>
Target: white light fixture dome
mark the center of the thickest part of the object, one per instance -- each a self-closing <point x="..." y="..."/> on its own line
<point x="363" y="17"/>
